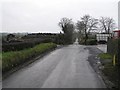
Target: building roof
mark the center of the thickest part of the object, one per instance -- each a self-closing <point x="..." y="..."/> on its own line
<point x="116" y="31"/>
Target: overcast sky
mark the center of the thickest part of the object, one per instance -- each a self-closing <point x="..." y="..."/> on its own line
<point x="44" y="15"/>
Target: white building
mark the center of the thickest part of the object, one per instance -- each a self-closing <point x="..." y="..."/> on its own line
<point x="119" y="15"/>
<point x="103" y="37"/>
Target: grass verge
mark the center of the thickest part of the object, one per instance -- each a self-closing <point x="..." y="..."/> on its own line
<point x="105" y="56"/>
<point x="15" y="58"/>
<point x="109" y="70"/>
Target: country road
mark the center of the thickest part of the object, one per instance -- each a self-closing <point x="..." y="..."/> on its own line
<point x="66" y="67"/>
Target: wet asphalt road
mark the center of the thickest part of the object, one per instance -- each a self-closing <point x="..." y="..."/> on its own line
<point x="67" y="67"/>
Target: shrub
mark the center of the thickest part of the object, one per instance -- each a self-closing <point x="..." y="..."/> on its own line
<point x="16" y="46"/>
<point x="88" y="42"/>
<point x="112" y="46"/>
<point x="91" y="42"/>
<point x="15" y="58"/>
<point x="109" y="69"/>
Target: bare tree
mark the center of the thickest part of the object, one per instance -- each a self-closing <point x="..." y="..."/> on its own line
<point x="87" y="24"/>
<point x="80" y="26"/>
<point x="67" y="27"/>
<point x="107" y="24"/>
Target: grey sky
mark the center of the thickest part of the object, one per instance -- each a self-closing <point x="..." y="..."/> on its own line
<point x="44" y="15"/>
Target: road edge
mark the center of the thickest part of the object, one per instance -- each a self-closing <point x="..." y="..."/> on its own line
<point x="7" y="74"/>
<point x="97" y="66"/>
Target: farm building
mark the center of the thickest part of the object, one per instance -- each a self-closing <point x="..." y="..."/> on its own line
<point x="103" y="36"/>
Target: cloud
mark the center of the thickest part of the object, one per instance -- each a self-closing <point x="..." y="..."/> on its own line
<point x="44" y="15"/>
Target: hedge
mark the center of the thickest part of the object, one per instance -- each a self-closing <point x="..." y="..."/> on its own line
<point x="112" y="46"/>
<point x="15" y="58"/>
<point x="16" y="46"/>
<point x="88" y="42"/>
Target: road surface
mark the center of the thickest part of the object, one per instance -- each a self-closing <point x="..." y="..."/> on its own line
<point x="66" y="67"/>
<point x="102" y="47"/>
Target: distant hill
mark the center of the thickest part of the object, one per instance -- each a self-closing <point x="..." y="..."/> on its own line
<point x="16" y="34"/>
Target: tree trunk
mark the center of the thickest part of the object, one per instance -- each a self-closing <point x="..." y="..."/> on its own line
<point x="86" y="37"/>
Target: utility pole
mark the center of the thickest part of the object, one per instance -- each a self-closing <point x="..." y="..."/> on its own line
<point x="119" y="45"/>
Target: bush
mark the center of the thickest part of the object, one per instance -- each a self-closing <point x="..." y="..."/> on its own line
<point x="112" y="74"/>
<point x="15" y="58"/>
<point x="88" y="42"/>
<point x="112" y="46"/>
<point x="16" y="46"/>
<point x="109" y="69"/>
<point x="91" y="42"/>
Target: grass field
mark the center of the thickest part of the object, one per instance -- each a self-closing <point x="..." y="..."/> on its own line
<point x="15" y="58"/>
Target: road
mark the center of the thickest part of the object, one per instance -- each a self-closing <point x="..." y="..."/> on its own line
<point x="102" y="47"/>
<point x="66" y="67"/>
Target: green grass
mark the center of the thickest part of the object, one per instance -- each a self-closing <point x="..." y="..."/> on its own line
<point x="109" y="70"/>
<point x="15" y="58"/>
<point x="105" y="56"/>
<point x="112" y="73"/>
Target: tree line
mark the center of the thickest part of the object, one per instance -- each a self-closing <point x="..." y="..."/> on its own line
<point x="85" y="25"/>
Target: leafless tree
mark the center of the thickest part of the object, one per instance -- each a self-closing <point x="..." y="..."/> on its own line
<point x="87" y="24"/>
<point x="65" y="23"/>
<point x="67" y="27"/>
<point x="80" y="26"/>
<point x="107" y="24"/>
